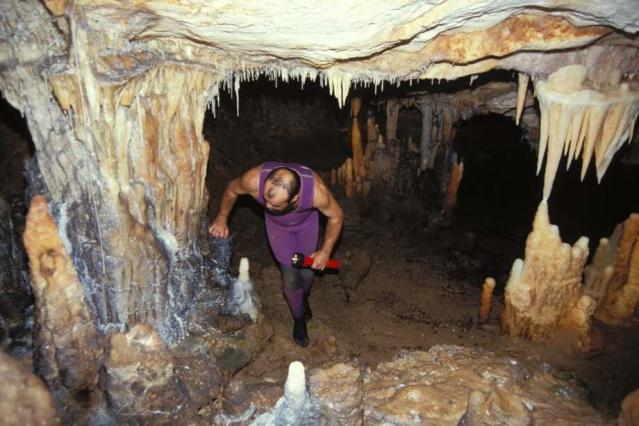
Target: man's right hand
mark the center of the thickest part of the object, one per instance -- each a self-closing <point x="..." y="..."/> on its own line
<point x="219" y="228"/>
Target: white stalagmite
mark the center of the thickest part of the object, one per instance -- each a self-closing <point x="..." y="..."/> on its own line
<point x="578" y="119"/>
<point x="243" y="299"/>
<point x="295" y="407"/>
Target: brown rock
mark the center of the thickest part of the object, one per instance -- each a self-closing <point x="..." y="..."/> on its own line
<point x="68" y="345"/>
<point x="140" y="379"/>
<point x="25" y="400"/>
<point x="497" y="409"/>
<point x="339" y="392"/>
<point x="629" y="415"/>
<point x="433" y="388"/>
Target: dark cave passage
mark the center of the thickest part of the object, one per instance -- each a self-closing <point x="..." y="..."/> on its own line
<point x="500" y="191"/>
<point x="278" y="121"/>
<point x="16" y="299"/>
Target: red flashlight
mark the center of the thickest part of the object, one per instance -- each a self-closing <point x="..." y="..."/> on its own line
<point x="300" y="261"/>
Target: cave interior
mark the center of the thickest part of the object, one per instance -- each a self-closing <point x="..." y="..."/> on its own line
<point x="485" y="158"/>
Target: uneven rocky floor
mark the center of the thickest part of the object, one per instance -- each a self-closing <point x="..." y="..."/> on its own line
<point x="405" y="291"/>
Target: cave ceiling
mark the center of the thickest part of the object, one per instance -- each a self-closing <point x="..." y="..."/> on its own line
<point x="354" y="42"/>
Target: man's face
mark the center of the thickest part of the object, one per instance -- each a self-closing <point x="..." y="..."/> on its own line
<point x="276" y="199"/>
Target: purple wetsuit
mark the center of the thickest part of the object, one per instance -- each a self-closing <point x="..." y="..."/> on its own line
<point x="297" y="231"/>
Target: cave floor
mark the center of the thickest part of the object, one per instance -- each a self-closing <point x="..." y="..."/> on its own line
<point x="398" y="290"/>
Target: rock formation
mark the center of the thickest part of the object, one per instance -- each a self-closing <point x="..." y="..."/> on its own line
<point x="25" y="400"/>
<point x="612" y="279"/>
<point x="544" y="291"/>
<point x="114" y="94"/>
<point x="69" y="346"/>
<point x="580" y="118"/>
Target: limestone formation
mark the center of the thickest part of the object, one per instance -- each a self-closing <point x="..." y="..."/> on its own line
<point x="68" y="345"/>
<point x="544" y="291"/>
<point x="114" y="94"/>
<point x="338" y="391"/>
<point x="612" y="279"/>
<point x="450" y="385"/>
<point x="242" y="296"/>
<point x="486" y="299"/>
<point x="25" y="400"/>
<point x="498" y="408"/>
<point x="356" y="137"/>
<point x="579" y="118"/>
<point x="521" y="95"/>
<point x="452" y="187"/>
<point x="295" y="407"/>
<point x="629" y="415"/>
<point x="140" y="379"/>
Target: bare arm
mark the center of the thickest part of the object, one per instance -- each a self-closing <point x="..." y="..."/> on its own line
<point x="324" y="201"/>
<point x="248" y="183"/>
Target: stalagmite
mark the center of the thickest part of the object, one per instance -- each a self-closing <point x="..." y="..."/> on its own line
<point x="356" y="137"/>
<point x="613" y="277"/>
<point x="68" y="345"/>
<point x="543" y="293"/>
<point x="456" y="175"/>
<point x="392" y="116"/>
<point x="349" y="178"/>
<point x="426" y="142"/>
<point x="579" y="119"/>
<point x="486" y="299"/>
<point x="371" y="129"/>
<point x="242" y="297"/>
<point x="522" y="89"/>
<point x="295" y="406"/>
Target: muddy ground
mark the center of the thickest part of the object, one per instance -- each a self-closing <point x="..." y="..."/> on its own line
<point x="401" y="289"/>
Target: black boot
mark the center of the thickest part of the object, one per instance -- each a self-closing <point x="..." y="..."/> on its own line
<point x="308" y="314"/>
<point x="300" y="335"/>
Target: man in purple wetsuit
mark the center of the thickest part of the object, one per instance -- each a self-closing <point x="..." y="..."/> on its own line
<point x="291" y="195"/>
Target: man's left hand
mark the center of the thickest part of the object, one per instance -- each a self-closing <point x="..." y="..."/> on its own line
<point x="320" y="258"/>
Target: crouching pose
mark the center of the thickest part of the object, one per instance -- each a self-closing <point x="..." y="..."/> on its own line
<point x="291" y="195"/>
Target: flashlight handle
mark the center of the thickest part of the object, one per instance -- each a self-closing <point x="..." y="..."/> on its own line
<point x="331" y="263"/>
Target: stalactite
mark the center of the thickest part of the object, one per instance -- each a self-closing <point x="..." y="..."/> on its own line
<point x="578" y="119"/>
<point x="522" y="89"/>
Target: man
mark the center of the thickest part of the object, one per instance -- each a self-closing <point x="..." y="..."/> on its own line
<point x="291" y="195"/>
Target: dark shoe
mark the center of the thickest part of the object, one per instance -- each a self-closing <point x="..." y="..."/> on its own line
<point x="308" y="314"/>
<point x="300" y="335"/>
